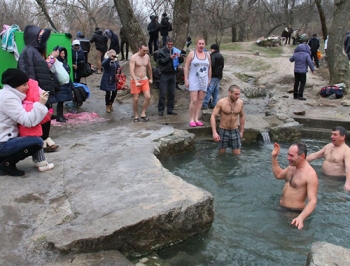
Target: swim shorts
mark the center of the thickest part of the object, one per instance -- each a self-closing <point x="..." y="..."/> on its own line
<point x="229" y="138"/>
<point x="136" y="90"/>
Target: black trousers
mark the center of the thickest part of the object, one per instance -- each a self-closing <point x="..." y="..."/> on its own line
<point x="110" y="99"/>
<point x="167" y="86"/>
<point x="153" y="43"/>
<point x="122" y="43"/>
<point x="314" y="57"/>
<point x="299" y="84"/>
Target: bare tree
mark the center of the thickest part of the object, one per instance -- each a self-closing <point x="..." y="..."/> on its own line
<point x="181" y="21"/>
<point x="322" y="18"/>
<point x="338" y="63"/>
<point x="130" y="23"/>
<point x="42" y="5"/>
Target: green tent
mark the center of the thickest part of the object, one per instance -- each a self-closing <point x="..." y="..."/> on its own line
<point x="8" y="59"/>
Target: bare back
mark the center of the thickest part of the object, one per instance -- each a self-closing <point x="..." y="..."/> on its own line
<point x="295" y="190"/>
<point x="334" y="159"/>
<point x="229" y="113"/>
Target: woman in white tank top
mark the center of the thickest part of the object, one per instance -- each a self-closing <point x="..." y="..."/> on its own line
<point x="197" y="79"/>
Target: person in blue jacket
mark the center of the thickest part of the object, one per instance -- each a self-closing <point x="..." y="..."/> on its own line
<point x="302" y="60"/>
<point x="108" y="81"/>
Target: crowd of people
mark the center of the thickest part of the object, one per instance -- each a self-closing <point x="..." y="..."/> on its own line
<point x="32" y="88"/>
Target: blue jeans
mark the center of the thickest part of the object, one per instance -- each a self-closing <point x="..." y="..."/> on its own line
<point x="212" y="91"/>
<point x="15" y="145"/>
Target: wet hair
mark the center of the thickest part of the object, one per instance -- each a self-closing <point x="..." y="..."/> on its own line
<point x="342" y="131"/>
<point x="301" y="148"/>
<point x="232" y="87"/>
<point x="142" y="44"/>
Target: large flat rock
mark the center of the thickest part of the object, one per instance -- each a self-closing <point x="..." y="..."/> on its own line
<point x="108" y="191"/>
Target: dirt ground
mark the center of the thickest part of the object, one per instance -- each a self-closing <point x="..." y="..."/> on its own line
<point x="247" y="70"/>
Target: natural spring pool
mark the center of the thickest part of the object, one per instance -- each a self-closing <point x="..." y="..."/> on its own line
<point x="250" y="228"/>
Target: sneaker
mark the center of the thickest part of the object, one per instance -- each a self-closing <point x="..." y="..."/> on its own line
<point x="44" y="166"/>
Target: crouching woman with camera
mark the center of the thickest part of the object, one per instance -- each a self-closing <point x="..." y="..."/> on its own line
<point x="14" y="148"/>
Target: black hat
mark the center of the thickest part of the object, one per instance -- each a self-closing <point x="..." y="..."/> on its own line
<point x="214" y="47"/>
<point x="164" y="14"/>
<point x="14" y="77"/>
<point x="44" y="35"/>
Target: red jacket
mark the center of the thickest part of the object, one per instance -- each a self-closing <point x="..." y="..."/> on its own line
<point x="33" y="95"/>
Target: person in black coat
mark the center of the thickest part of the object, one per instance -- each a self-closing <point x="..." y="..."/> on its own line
<point x="84" y="44"/>
<point x="101" y="42"/>
<point x="124" y="41"/>
<point x="108" y="81"/>
<point x="65" y="93"/>
<point x="78" y="59"/>
<point x="314" y="44"/>
<point x="153" y="31"/>
<point x="114" y="45"/>
<point x="165" y="27"/>
<point x="32" y="62"/>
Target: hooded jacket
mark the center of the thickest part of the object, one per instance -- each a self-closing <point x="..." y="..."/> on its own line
<point x="164" y="26"/>
<point x="12" y="113"/>
<point x="31" y="61"/>
<point x="302" y="59"/>
<point x="100" y="41"/>
<point x="217" y="64"/>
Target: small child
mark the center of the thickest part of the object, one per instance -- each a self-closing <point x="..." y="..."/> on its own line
<point x="33" y="95"/>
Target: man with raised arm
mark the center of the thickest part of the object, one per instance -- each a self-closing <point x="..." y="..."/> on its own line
<point x="139" y="65"/>
<point x="230" y="110"/>
<point x="336" y="156"/>
<point x="301" y="182"/>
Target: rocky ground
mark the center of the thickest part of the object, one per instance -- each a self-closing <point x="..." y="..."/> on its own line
<point x="103" y="145"/>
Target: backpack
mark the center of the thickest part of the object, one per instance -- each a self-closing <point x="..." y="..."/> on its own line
<point x="170" y="27"/>
<point x="330" y="90"/>
<point x="8" y="38"/>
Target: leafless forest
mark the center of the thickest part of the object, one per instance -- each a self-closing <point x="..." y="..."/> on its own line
<point x="218" y="20"/>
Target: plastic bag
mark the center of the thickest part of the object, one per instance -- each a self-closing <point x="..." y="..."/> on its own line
<point x="319" y="55"/>
<point x="61" y="73"/>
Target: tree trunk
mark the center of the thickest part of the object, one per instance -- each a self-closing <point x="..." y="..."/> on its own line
<point x="338" y="62"/>
<point x="181" y="22"/>
<point x="233" y="33"/>
<point x="322" y="18"/>
<point x="131" y="25"/>
<point x="46" y="14"/>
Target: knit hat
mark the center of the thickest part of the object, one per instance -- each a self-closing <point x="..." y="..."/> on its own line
<point x="76" y="42"/>
<point x="214" y="47"/>
<point x="14" y="77"/>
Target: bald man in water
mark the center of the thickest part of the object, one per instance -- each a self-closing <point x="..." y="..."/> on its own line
<point x="336" y="156"/>
<point x="301" y="182"/>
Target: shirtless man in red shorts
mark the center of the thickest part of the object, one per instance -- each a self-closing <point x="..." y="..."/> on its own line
<point x="139" y="64"/>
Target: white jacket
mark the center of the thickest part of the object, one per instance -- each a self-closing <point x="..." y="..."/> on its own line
<point x="12" y="113"/>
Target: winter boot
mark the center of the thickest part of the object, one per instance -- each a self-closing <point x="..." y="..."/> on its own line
<point x="60" y="117"/>
<point x="111" y="106"/>
<point x="49" y="145"/>
<point x="108" y="108"/>
<point x="8" y="166"/>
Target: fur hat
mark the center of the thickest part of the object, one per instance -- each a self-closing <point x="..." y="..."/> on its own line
<point x="214" y="47"/>
<point x="14" y="77"/>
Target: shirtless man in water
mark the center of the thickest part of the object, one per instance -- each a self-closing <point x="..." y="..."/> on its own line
<point x="336" y="156"/>
<point x="301" y="182"/>
<point x="139" y="64"/>
<point x="230" y="110"/>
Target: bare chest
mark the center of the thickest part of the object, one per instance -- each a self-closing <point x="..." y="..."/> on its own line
<point x="295" y="179"/>
<point x="334" y="155"/>
<point x="231" y="108"/>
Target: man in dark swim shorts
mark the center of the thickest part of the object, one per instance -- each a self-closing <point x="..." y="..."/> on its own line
<point x="230" y="110"/>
